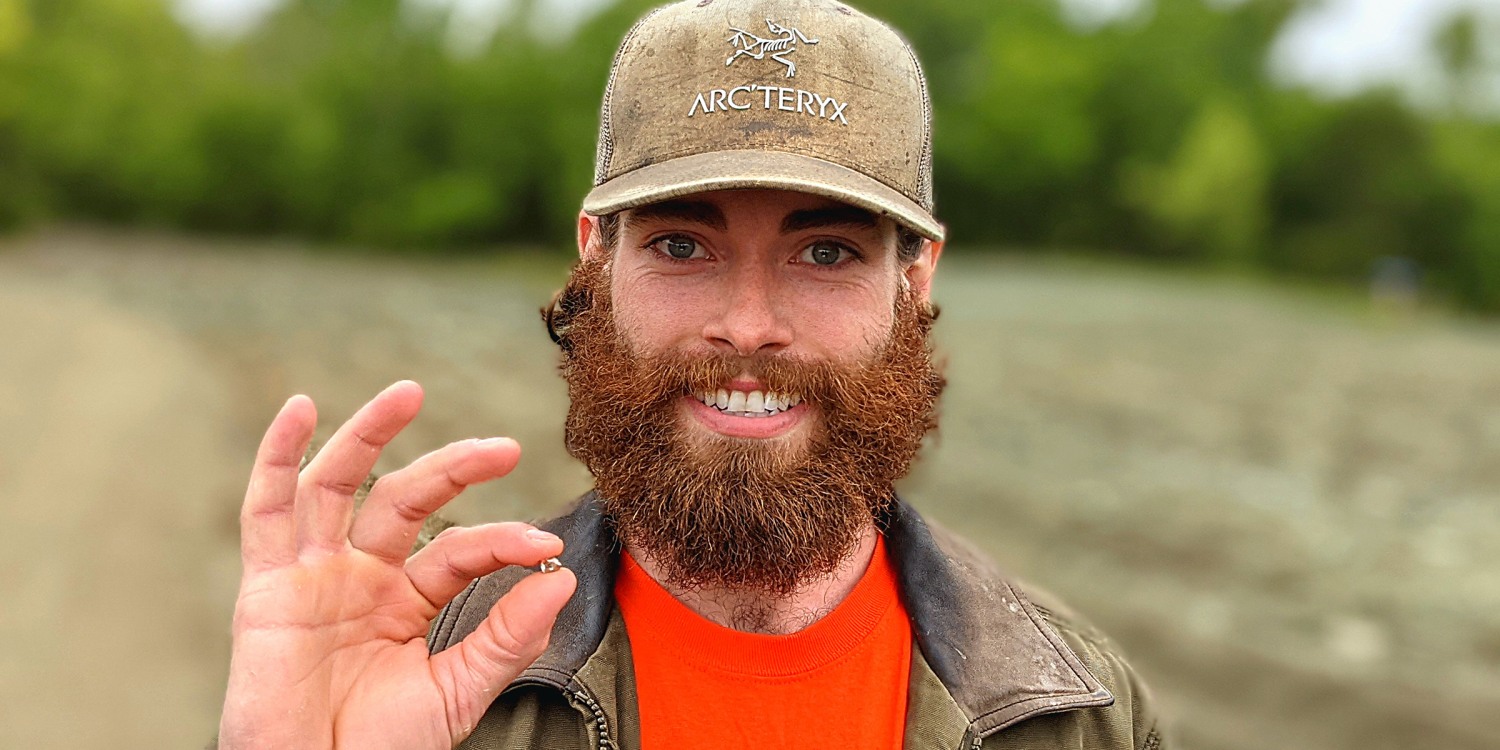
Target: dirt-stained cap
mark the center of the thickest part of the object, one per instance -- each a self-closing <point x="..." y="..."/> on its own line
<point x="805" y="95"/>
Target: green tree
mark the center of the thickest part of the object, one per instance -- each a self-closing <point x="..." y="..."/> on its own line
<point x="1459" y="47"/>
<point x="1470" y="153"/>
<point x="1209" y="199"/>
<point x="1360" y="182"/>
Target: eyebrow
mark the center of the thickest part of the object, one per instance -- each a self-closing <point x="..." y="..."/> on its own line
<point x="695" y="212"/>
<point x="831" y="216"/>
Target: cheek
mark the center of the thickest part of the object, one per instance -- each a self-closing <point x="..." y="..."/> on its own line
<point x="853" y="317"/>
<point x="851" y="326"/>
<point x="655" y="314"/>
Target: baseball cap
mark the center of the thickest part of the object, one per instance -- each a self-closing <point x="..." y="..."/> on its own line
<point x="804" y="95"/>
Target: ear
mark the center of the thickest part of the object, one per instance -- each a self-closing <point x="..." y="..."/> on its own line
<point x="919" y="273"/>
<point x="588" y="236"/>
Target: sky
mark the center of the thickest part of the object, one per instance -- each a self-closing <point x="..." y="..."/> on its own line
<point x="1348" y="44"/>
<point x="1339" y="46"/>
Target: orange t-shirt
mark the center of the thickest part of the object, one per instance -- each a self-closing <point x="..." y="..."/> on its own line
<point x="840" y="682"/>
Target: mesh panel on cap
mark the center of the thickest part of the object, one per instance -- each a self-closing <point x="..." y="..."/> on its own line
<point x="924" y="165"/>
<point x="606" y="147"/>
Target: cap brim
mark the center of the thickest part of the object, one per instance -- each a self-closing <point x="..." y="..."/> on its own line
<point x="771" y="170"/>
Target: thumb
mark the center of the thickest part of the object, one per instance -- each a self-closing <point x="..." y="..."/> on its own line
<point x="509" y="639"/>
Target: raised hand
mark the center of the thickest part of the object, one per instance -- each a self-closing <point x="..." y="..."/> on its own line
<point x="330" y="625"/>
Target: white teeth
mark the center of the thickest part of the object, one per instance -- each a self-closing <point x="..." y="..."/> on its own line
<point x="751" y="403"/>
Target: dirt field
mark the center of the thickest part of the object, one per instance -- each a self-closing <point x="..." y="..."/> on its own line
<point x="1285" y="506"/>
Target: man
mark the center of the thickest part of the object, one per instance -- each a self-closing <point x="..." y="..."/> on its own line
<point x="745" y="345"/>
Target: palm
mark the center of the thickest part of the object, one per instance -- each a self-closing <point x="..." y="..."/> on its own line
<point x="329" y="627"/>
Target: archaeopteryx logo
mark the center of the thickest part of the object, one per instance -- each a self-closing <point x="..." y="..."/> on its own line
<point x="761" y="97"/>
<point x="783" y="42"/>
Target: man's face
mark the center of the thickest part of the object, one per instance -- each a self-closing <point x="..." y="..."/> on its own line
<point x="749" y="374"/>
<point x="758" y="274"/>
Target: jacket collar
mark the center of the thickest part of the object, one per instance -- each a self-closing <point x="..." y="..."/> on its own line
<point x="987" y="644"/>
<point x="990" y="648"/>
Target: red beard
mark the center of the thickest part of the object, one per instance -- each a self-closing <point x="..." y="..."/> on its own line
<point x="730" y="512"/>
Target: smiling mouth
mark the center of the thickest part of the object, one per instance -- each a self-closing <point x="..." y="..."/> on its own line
<point x="750" y="404"/>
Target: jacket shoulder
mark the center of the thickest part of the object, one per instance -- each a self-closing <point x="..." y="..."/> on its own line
<point x="1131" y="721"/>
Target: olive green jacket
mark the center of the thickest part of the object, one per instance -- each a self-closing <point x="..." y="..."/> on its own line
<point x="991" y="671"/>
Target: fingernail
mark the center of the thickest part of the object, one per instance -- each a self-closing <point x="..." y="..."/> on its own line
<point x="542" y="537"/>
<point x="493" y="442"/>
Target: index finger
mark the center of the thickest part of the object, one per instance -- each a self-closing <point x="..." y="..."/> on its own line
<point x="325" y="501"/>
<point x="389" y="521"/>
<point x="267" y="530"/>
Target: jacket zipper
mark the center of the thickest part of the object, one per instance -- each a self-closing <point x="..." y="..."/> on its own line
<point x="581" y="700"/>
<point x="601" y="724"/>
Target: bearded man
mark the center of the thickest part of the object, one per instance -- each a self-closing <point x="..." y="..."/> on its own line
<point x="745" y="342"/>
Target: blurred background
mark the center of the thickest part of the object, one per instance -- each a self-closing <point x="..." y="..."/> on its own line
<point x="1218" y="315"/>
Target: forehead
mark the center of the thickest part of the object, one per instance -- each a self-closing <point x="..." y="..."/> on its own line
<point x="727" y="209"/>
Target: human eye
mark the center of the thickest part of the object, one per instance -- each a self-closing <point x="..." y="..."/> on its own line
<point x="678" y="247"/>
<point x="827" y="253"/>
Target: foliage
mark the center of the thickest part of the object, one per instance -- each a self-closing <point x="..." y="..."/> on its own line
<point x="1160" y="136"/>
<point x="1211" y="193"/>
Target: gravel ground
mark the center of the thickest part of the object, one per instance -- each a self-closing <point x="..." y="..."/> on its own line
<point x="1282" y="504"/>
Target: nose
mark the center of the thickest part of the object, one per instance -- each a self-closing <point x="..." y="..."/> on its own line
<point x="749" y="321"/>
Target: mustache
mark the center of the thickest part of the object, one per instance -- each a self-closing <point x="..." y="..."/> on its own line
<point x="681" y="373"/>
